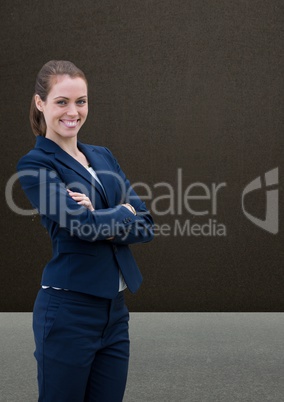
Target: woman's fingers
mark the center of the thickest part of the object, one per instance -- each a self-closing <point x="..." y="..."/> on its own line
<point x="75" y="194"/>
<point x="81" y="199"/>
<point x="78" y="197"/>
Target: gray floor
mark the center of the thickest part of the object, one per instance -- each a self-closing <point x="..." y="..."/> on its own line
<point x="175" y="357"/>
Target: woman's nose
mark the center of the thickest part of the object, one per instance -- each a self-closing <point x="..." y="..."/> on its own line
<point x="72" y="110"/>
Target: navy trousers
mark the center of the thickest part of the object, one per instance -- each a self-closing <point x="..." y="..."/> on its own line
<point x="82" y="346"/>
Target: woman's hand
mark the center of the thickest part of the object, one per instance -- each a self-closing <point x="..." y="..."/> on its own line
<point x="81" y="199"/>
<point x="130" y="207"/>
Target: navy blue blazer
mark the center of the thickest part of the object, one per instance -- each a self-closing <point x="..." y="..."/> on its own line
<point x="84" y="259"/>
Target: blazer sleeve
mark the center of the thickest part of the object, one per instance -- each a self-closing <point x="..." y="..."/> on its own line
<point x="48" y="194"/>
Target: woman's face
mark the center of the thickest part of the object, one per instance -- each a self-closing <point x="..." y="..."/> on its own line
<point x="66" y="107"/>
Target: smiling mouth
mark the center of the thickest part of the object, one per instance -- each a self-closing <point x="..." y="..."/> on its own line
<point x="70" y="123"/>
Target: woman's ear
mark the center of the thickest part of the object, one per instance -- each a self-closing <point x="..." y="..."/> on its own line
<point x="38" y="103"/>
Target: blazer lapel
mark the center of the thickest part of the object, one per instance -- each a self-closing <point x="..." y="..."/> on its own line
<point x="50" y="146"/>
<point x="105" y="175"/>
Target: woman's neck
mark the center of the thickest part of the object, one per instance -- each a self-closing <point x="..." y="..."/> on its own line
<point x="68" y="145"/>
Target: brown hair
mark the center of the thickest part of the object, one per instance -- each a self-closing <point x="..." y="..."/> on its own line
<point x="43" y="86"/>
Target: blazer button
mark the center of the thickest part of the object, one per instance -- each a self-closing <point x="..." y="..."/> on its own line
<point x="114" y="248"/>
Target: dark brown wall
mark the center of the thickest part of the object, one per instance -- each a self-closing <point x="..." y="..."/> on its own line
<point x="193" y="84"/>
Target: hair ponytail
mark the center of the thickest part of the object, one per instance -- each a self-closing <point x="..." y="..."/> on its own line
<point x="43" y="86"/>
<point x="37" y="119"/>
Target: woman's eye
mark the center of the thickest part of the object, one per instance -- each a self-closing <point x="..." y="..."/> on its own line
<point x="63" y="102"/>
<point x="82" y="102"/>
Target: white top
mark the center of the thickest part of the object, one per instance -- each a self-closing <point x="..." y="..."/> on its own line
<point x="95" y="176"/>
<point x="122" y="284"/>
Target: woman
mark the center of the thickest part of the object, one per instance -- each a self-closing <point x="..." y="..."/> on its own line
<point x="92" y="214"/>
